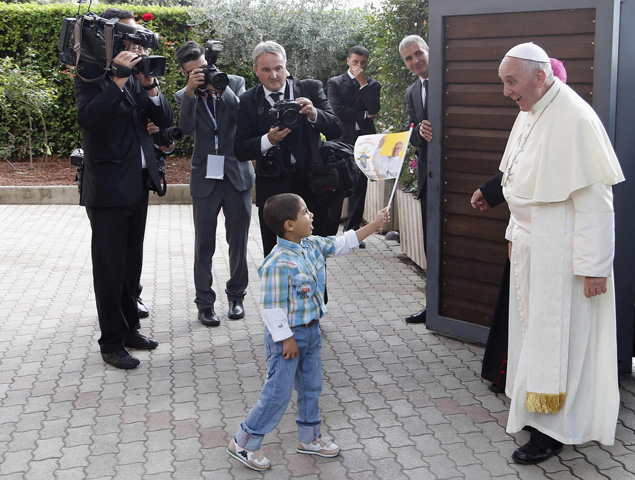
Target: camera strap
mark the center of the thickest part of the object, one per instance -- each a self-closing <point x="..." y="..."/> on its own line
<point x="211" y="115"/>
<point x="78" y="35"/>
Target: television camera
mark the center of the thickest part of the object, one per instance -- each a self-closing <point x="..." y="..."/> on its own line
<point x="90" y="40"/>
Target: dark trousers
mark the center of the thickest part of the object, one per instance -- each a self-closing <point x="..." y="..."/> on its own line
<point x="494" y="366"/>
<point x="356" y="204"/>
<point x="237" y="211"/>
<point x="117" y="254"/>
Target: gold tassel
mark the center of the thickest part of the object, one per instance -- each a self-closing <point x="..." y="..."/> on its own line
<point x="544" y="402"/>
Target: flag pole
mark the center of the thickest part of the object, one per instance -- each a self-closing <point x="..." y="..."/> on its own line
<point x="394" y="188"/>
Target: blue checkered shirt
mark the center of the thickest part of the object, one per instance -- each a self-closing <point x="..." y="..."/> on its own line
<point x="292" y="278"/>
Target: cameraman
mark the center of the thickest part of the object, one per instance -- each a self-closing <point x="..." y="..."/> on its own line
<point x="119" y="168"/>
<point x="217" y="180"/>
<point x="257" y="137"/>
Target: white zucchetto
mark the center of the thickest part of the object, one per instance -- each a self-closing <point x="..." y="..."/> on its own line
<point x="528" y="51"/>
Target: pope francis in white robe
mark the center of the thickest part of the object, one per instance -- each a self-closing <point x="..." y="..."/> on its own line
<point x="558" y="169"/>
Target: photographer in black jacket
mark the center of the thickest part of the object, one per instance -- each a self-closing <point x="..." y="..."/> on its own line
<point x="282" y="155"/>
<point x="119" y="168"/>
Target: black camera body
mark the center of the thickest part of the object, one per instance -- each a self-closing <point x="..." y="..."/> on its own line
<point x="215" y="78"/>
<point x="77" y="158"/>
<point x="286" y="114"/>
<point x="167" y="136"/>
<point x="91" y="39"/>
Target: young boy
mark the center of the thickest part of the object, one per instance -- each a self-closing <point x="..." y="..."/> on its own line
<point x="292" y="296"/>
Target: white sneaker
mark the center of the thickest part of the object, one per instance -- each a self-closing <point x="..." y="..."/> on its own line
<point x="254" y="460"/>
<point x="321" y="446"/>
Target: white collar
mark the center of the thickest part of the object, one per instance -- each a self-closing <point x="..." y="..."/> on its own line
<point x="269" y="92"/>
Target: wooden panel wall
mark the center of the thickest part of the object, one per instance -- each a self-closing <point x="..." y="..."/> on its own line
<point x="477" y="119"/>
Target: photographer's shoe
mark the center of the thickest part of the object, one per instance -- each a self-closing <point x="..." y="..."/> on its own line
<point x="254" y="460"/>
<point x="419" y="317"/>
<point x="321" y="446"/>
<point x="208" y="317"/>
<point x="136" y="340"/>
<point x="142" y="309"/>
<point x="236" y="310"/>
<point x="121" y="359"/>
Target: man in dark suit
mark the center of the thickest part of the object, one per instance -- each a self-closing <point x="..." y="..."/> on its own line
<point x="355" y="100"/>
<point x="119" y="167"/>
<point x="414" y="52"/>
<point x="282" y="155"/>
<point x="218" y="180"/>
<point x="494" y="368"/>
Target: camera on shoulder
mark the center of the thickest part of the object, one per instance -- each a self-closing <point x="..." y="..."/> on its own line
<point x="93" y="41"/>
<point x="286" y="114"/>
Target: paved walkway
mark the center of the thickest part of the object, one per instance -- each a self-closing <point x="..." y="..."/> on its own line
<point x="404" y="403"/>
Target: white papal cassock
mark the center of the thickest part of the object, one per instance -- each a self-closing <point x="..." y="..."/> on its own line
<point x="558" y="169"/>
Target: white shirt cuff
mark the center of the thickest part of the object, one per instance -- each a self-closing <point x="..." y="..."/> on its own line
<point x="277" y="322"/>
<point x="156" y="100"/>
<point x="265" y="144"/>
<point x="345" y="243"/>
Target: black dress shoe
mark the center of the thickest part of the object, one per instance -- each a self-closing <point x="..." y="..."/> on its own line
<point x="136" y="340"/>
<point x="495" y="388"/>
<point x="208" y="317"/>
<point x="362" y="245"/>
<point x="121" y="359"/>
<point x="236" y="310"/>
<point x="419" y="317"/>
<point x="142" y="309"/>
<point x="532" y="453"/>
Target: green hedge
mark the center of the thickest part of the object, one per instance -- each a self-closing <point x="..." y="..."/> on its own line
<point x="24" y="26"/>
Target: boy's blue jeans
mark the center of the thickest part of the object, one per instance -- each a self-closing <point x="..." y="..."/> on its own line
<point x="305" y="372"/>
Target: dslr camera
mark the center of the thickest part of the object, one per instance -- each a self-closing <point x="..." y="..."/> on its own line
<point x="167" y="136"/>
<point x="286" y="114"/>
<point x="90" y="40"/>
<point x="213" y="76"/>
<point x="77" y="161"/>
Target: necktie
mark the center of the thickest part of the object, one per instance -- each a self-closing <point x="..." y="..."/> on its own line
<point x="275" y="96"/>
<point x="425" y="101"/>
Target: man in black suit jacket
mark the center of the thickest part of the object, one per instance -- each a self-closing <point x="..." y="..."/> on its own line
<point x="414" y="52"/>
<point x="494" y="368"/>
<point x="355" y="100"/>
<point x="211" y="114"/>
<point x="283" y="160"/>
<point x="119" y="164"/>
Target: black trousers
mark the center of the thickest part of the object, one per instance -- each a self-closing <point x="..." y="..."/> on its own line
<point x="494" y="366"/>
<point x="117" y="254"/>
<point x="356" y="204"/>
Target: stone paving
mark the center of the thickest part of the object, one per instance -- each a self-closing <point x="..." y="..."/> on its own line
<point x="403" y="402"/>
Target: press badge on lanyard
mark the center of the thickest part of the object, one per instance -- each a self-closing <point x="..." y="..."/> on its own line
<point x="215" y="163"/>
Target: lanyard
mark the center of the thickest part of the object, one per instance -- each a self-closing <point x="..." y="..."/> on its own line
<point x="213" y="121"/>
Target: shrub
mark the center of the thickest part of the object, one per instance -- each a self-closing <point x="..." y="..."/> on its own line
<point x="24" y="100"/>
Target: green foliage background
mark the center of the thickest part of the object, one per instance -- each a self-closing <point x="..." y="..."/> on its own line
<point x="316" y="34"/>
<point x="37" y="26"/>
